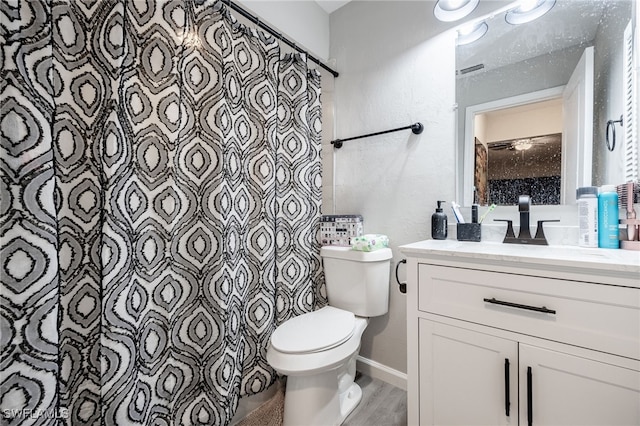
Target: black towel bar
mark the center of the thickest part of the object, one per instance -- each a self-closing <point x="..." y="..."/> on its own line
<point x="416" y="128"/>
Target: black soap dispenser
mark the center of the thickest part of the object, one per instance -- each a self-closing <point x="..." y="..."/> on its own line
<point x="439" y="224"/>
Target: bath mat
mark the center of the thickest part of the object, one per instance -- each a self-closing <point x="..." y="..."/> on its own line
<point x="271" y="413"/>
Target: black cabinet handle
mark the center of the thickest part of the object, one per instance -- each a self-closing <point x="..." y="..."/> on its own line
<point x="543" y="309"/>
<point x="529" y="397"/>
<point x="507" y="402"/>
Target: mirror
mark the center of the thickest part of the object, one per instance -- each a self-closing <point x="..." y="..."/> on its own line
<point x="522" y="66"/>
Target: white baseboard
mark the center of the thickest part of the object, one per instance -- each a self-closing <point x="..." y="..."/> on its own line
<point x="380" y="371"/>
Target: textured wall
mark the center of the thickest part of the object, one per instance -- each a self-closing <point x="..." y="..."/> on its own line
<point x="304" y="22"/>
<point x="392" y="74"/>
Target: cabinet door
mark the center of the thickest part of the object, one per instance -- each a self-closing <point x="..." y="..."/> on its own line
<point x="569" y="390"/>
<point x="466" y="377"/>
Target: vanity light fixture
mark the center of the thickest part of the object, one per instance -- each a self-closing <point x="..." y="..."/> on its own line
<point x="522" y="144"/>
<point x="453" y="10"/>
<point x="470" y="33"/>
<point x="528" y="11"/>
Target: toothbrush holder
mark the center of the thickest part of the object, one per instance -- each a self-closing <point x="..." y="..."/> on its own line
<point x="469" y="232"/>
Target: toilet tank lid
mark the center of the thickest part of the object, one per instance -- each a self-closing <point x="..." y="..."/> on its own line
<point x="315" y="331"/>
<point x="347" y="253"/>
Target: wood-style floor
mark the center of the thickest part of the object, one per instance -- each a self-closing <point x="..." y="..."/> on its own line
<point x="382" y="404"/>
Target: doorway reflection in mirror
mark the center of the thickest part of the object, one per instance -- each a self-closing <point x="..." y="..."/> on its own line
<point x="518" y="150"/>
<point x="506" y="169"/>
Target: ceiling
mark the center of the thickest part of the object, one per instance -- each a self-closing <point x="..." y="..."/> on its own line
<point x="331" y="5"/>
<point x="569" y="23"/>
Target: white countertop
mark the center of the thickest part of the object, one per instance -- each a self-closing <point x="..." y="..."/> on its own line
<point x="621" y="261"/>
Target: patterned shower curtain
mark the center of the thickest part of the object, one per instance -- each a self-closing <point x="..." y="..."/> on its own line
<point x="160" y="202"/>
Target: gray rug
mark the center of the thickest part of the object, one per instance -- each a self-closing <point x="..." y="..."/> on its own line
<point x="271" y="413"/>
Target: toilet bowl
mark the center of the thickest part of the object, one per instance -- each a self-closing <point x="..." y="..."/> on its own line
<point x="318" y="350"/>
<point x="320" y="384"/>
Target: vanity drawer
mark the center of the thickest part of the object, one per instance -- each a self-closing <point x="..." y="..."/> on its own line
<point x="591" y="315"/>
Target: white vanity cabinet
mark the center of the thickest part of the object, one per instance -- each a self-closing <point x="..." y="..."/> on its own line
<point x="507" y="334"/>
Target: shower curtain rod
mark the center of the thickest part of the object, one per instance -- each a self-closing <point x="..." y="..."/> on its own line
<point x="277" y="34"/>
<point x="416" y="128"/>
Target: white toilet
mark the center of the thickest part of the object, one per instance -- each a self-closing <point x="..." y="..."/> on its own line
<point x="317" y="350"/>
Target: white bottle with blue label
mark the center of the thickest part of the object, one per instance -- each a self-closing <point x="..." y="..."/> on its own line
<point x="587" y="201"/>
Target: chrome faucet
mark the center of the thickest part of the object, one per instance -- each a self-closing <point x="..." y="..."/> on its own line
<point x="524" y="235"/>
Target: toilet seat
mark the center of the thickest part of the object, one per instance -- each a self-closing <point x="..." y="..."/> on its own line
<point x="315" y="331"/>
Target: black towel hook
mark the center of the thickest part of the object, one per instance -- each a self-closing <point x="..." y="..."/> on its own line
<point x="611" y="124"/>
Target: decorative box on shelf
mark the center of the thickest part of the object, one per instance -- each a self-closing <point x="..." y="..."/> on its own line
<point x="337" y="230"/>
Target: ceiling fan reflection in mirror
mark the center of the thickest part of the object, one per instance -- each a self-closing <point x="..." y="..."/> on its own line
<point x="525" y="144"/>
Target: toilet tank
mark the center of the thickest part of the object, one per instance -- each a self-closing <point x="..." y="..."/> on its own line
<point x="357" y="281"/>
